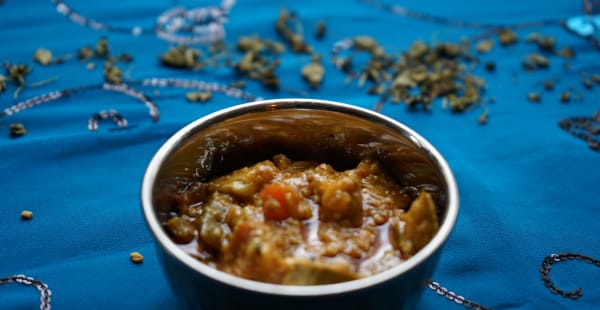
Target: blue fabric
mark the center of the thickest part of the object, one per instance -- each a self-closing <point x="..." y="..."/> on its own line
<point x="528" y="189"/>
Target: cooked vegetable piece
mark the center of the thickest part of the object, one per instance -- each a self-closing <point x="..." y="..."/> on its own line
<point x="420" y="225"/>
<point x="341" y="199"/>
<point x="279" y="201"/>
<point x="302" y="222"/>
<point x="306" y="272"/>
<point x="182" y="231"/>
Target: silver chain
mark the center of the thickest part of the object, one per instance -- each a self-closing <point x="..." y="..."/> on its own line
<point x="45" y="293"/>
<point x="458" y="299"/>
<point x="176" y="25"/>
<point x="557" y="258"/>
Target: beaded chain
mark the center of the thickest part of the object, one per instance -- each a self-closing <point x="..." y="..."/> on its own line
<point x="128" y="90"/>
<point x="545" y="267"/>
<point x="557" y="258"/>
<point x="45" y="293"/>
<point x="176" y="25"/>
<point x="573" y="25"/>
<point x="106" y="114"/>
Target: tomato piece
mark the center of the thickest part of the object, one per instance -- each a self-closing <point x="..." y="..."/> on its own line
<point x="279" y="201"/>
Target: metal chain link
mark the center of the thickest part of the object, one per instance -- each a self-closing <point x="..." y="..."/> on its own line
<point x="557" y="258"/>
<point x="45" y="293"/>
<point x="176" y="25"/>
<point x="458" y="299"/>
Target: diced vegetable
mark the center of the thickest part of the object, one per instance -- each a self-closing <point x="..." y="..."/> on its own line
<point x="341" y="200"/>
<point x="420" y="225"/>
<point x="182" y="231"/>
<point x="279" y="201"/>
<point x="306" y="272"/>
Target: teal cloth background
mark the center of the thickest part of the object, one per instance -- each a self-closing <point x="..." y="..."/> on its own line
<point x="528" y="189"/>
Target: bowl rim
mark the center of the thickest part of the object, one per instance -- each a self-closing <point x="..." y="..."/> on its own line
<point x="149" y="177"/>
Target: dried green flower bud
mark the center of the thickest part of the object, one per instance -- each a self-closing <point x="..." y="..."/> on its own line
<point x="320" y="30"/>
<point x="533" y="37"/>
<point x="490" y="66"/>
<point x="404" y="80"/>
<point x="102" y="48"/>
<point x="419" y="74"/>
<point x="507" y="37"/>
<point x="365" y="43"/>
<point x="547" y="44"/>
<point x="295" y="40"/>
<point x="16" y="130"/>
<point x="534" y="61"/>
<point x="249" y="43"/>
<point x="565" y="97"/>
<point x="43" y="56"/>
<point x="483" y="118"/>
<point x="484" y="46"/>
<point x="182" y="57"/>
<point x="377" y="89"/>
<point x="313" y="72"/>
<point x="112" y="74"/>
<point x="274" y="47"/>
<point x="126" y="58"/>
<point x="534" y="97"/>
<point x="566" y="52"/>
<point x="198" y="96"/>
<point x="418" y="49"/>
<point x="238" y="84"/>
<point x="17" y="73"/>
<point x="2" y="83"/>
<point x="217" y="47"/>
<point x="85" y="53"/>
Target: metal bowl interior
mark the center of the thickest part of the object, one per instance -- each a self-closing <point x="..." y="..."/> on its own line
<point x="326" y="131"/>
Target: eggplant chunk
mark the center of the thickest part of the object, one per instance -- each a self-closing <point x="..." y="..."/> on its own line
<point x="306" y="272"/>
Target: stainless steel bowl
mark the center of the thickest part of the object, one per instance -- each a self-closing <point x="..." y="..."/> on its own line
<point x="323" y="130"/>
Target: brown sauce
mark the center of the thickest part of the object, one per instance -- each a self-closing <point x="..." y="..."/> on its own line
<point x="301" y="222"/>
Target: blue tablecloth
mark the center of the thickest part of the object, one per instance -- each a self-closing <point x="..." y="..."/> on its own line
<point x="528" y="189"/>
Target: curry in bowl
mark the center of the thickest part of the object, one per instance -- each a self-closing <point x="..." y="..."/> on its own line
<point x="320" y="203"/>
